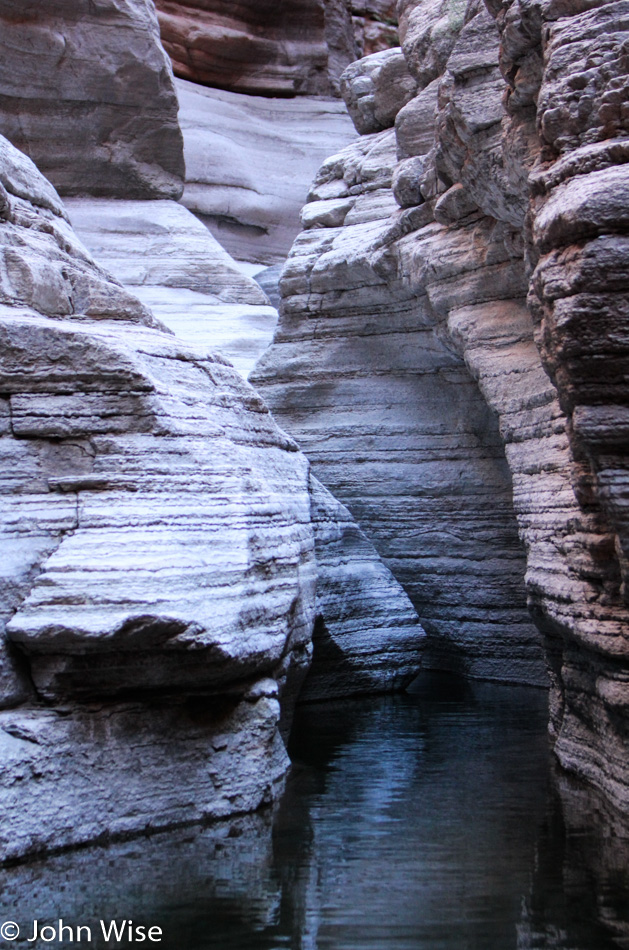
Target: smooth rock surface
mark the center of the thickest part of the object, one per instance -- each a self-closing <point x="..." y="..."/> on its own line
<point x="250" y="162"/>
<point x="172" y="263"/>
<point x="367" y="637"/>
<point x="98" y="111"/>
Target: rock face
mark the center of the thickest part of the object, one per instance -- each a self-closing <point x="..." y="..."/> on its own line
<point x="262" y="47"/>
<point x="250" y="162"/>
<point x="459" y="262"/>
<point x="375" y="89"/>
<point x="157" y="588"/>
<point x="98" y="111"/>
<point x="158" y="555"/>
<point x="565" y="66"/>
<point x="171" y="262"/>
<point x="394" y="425"/>
<point x="366" y="636"/>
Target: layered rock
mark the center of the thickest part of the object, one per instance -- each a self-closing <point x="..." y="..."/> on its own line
<point x="460" y="259"/>
<point x="250" y="162"/>
<point x="565" y="68"/>
<point x="159" y="533"/>
<point x="98" y="111"/>
<point x="158" y="565"/>
<point x="171" y="262"/>
<point x="394" y="425"/>
<point x="297" y="47"/>
<point x="366" y="636"/>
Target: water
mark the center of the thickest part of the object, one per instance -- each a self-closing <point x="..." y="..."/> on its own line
<point x="432" y="821"/>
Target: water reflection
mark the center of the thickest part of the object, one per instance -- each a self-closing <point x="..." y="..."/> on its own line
<point x="432" y="821"/>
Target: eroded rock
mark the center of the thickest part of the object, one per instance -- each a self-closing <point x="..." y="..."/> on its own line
<point x="250" y="162"/>
<point x="98" y="113"/>
<point x="151" y="507"/>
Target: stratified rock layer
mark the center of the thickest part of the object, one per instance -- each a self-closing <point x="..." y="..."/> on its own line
<point x="172" y="263"/>
<point x="395" y="427"/>
<point x="158" y="553"/>
<point x="366" y="636"/>
<point x="87" y="92"/>
<point x="262" y="47"/>
<point x="565" y="66"/>
<point x="462" y="257"/>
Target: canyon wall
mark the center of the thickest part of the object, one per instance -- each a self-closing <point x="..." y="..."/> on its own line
<point x="271" y="48"/>
<point x="167" y="556"/>
<point x="467" y="285"/>
<point x="385" y="408"/>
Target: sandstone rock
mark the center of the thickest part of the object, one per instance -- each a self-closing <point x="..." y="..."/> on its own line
<point x="99" y="772"/>
<point x="407" y="182"/>
<point x="299" y="47"/>
<point x="250" y="162"/>
<point x="375" y="89"/>
<point x="98" y="114"/>
<point x="257" y="47"/>
<point x="415" y="123"/>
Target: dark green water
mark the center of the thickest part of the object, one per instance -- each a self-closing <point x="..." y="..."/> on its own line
<point x="431" y="821"/>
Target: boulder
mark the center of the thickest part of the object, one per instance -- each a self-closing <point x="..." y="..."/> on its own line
<point x="375" y="89"/>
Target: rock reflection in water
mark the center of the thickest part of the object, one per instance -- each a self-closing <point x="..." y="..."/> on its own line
<point x="432" y="821"/>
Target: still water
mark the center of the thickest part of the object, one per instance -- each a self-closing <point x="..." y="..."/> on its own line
<point x="430" y="821"/>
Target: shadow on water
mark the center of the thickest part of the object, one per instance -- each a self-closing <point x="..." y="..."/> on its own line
<point x="429" y="821"/>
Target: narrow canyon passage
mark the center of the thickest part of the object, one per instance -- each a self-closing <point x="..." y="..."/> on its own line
<point x="314" y="611"/>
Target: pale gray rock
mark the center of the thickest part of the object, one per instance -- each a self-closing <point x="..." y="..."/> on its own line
<point x="157" y="546"/>
<point x="367" y="637"/>
<point x="171" y="262"/>
<point x="98" y="772"/>
<point x="428" y="31"/>
<point x="407" y="181"/>
<point x="361" y="610"/>
<point x="375" y="88"/>
<point x="250" y="162"/>
<point x="98" y="114"/>
<point x="415" y="123"/>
